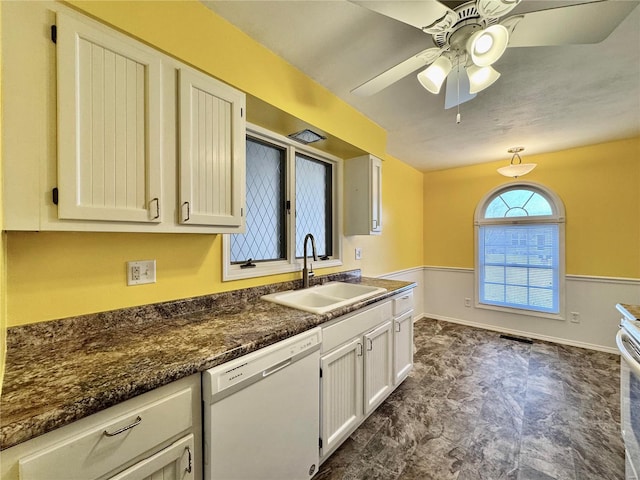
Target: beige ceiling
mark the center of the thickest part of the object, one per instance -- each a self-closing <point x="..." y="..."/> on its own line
<point x="547" y="99"/>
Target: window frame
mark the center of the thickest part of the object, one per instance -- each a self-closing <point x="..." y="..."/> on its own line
<point x="557" y="217"/>
<point x="291" y="264"/>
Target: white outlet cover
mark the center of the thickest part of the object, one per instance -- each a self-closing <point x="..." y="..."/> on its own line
<point x="358" y="254"/>
<point x="146" y="272"/>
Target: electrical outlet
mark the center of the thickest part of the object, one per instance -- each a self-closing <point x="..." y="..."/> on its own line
<point x="358" y="254"/>
<point x="467" y="302"/>
<point x="575" y="317"/>
<point x="141" y="272"/>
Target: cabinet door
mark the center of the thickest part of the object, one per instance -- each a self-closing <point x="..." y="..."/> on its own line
<point x="402" y="346"/>
<point x="176" y="462"/>
<point x="212" y="151"/>
<point x="109" y="112"/>
<point x="341" y="393"/>
<point x="377" y="365"/>
<point x="376" y="195"/>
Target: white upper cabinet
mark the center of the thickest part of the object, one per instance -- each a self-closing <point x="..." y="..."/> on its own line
<point x="109" y="113"/>
<point x="104" y="133"/>
<point x="212" y="151"/>
<point x="363" y="196"/>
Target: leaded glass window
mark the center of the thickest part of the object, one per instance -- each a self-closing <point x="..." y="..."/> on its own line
<point x="265" y="237"/>
<point x="313" y="204"/>
<point x="519" y="249"/>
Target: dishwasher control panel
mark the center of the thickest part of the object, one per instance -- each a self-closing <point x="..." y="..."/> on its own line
<point x="224" y="379"/>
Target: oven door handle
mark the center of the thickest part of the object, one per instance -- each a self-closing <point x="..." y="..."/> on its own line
<point x="626" y="354"/>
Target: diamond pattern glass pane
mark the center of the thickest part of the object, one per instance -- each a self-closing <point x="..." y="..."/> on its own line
<point x="313" y="204"/>
<point x="265" y="235"/>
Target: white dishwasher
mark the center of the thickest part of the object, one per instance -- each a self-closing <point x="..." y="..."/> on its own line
<point x="261" y="413"/>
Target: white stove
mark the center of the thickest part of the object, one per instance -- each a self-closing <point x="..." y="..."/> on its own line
<point x="628" y="341"/>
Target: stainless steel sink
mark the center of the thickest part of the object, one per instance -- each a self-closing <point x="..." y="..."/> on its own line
<point x="323" y="298"/>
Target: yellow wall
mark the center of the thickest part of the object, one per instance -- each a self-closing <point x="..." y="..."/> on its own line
<point x="600" y="188"/>
<point x="54" y="275"/>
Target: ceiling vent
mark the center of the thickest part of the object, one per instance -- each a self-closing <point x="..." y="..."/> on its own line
<point x="306" y="136"/>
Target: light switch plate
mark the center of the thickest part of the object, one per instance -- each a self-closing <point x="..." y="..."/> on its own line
<point x="141" y="272"/>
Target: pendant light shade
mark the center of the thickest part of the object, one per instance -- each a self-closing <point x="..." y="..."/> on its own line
<point x="481" y="77"/>
<point x="433" y="77"/>
<point x="518" y="169"/>
<point x="488" y="45"/>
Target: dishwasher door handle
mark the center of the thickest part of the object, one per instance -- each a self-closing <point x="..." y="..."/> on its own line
<point x="275" y="368"/>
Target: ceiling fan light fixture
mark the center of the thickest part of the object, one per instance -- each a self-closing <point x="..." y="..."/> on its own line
<point x="481" y="77"/>
<point x="487" y="46"/>
<point x="515" y="170"/>
<point x="433" y="76"/>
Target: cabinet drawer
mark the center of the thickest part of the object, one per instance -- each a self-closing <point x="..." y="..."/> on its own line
<point x="351" y="326"/>
<point x="98" y="451"/>
<point x="402" y="304"/>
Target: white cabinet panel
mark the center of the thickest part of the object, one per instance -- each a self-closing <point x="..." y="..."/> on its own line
<point x="342" y="389"/>
<point x="403" y="346"/>
<point x="377" y="365"/>
<point x="212" y="151"/>
<point x="109" y="113"/>
<point x="363" y="196"/>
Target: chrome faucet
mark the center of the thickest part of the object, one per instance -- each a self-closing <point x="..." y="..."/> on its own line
<point x="307" y="273"/>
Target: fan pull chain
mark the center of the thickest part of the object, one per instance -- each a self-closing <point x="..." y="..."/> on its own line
<point x="458" y="85"/>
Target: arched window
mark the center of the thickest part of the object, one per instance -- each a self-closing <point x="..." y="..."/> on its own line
<point x="520" y="249"/>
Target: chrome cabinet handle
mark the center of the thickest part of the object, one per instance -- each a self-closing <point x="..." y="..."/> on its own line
<point x="375" y="224"/>
<point x="359" y="349"/>
<point x="398" y="327"/>
<point x="124" y="429"/>
<point x="157" y="200"/>
<point x="188" y="211"/>
<point x="370" y="346"/>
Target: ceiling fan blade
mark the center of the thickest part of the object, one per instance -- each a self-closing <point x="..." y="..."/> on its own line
<point x="394" y="74"/>
<point x="575" y="24"/>
<point x="495" y="8"/>
<point x="457" y="94"/>
<point x="428" y="15"/>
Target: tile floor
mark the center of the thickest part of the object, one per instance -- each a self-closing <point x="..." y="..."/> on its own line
<point x="477" y="406"/>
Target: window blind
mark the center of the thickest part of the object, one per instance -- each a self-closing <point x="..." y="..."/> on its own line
<point x="518" y="266"/>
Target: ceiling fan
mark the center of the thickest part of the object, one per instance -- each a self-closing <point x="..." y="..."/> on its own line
<point x="472" y="36"/>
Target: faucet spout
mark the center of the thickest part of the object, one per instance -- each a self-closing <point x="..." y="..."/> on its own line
<point x="307" y="273"/>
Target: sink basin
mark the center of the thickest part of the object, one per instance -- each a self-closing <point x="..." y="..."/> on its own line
<point x="323" y="298"/>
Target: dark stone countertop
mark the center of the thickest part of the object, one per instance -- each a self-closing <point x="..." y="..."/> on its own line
<point x="60" y="371"/>
<point x="632" y="312"/>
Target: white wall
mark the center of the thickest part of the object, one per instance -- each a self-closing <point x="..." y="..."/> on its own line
<point x="594" y="298"/>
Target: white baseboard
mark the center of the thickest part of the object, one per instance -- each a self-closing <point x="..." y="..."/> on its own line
<point x="521" y="333"/>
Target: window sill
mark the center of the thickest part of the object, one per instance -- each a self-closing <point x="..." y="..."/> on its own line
<point x="520" y="311"/>
<point x="234" y="272"/>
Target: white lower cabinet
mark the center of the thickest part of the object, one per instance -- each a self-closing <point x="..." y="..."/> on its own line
<point x="342" y="392"/>
<point x="402" y="347"/>
<point x="156" y="435"/>
<point x="377" y="366"/>
<point x="402" y="337"/>
<point x="358" y="373"/>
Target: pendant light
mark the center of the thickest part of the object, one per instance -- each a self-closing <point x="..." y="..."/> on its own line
<point x="518" y="169"/>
